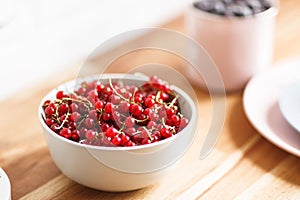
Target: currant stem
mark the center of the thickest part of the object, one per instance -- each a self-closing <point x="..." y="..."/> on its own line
<point x="64" y="121"/>
<point x="141" y="120"/>
<point x="173" y="101"/>
<point x="115" y="91"/>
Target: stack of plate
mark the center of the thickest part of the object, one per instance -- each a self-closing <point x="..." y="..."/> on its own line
<point x="4" y="186"/>
<point x="272" y="104"/>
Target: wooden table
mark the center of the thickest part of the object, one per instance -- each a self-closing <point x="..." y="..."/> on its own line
<point x="243" y="165"/>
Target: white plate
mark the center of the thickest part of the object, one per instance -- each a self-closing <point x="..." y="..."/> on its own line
<point x="289" y="104"/>
<point x="262" y="109"/>
<point x="4" y="186"/>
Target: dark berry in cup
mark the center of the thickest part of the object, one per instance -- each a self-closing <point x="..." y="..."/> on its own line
<point x="234" y="8"/>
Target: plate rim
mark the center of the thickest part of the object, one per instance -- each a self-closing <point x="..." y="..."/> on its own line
<point x="6" y="186"/>
<point x="275" y="140"/>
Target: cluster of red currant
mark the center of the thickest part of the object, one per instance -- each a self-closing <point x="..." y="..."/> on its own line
<point x="115" y="114"/>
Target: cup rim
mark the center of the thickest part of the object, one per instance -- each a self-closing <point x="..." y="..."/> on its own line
<point x="270" y="12"/>
<point x="184" y="95"/>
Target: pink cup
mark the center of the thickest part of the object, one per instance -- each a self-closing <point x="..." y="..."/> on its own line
<point x="240" y="47"/>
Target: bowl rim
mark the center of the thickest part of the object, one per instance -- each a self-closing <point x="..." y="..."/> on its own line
<point x="137" y="77"/>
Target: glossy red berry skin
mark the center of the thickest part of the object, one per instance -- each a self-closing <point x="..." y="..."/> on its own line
<point x="136" y="110"/>
<point x="165" y="133"/>
<point x="66" y="133"/>
<point x="111" y="132"/>
<point x="108" y="108"/>
<point x="49" y="111"/>
<point x="116" y="141"/>
<point x="99" y="105"/>
<point x="129" y="122"/>
<point x="61" y="95"/>
<point x="90" y="134"/>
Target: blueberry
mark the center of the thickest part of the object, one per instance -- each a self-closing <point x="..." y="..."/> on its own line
<point x="267" y="4"/>
<point x="254" y="4"/>
<point x="241" y="11"/>
<point x="228" y="1"/>
<point x="220" y="8"/>
<point x="229" y="11"/>
<point x="206" y="5"/>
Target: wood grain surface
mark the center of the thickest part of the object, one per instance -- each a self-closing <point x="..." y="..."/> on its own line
<point x="243" y="165"/>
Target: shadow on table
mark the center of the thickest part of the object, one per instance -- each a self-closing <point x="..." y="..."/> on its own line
<point x="263" y="153"/>
<point x="78" y="191"/>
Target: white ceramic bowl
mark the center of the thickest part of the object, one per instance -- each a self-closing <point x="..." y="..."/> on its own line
<point x="119" y="168"/>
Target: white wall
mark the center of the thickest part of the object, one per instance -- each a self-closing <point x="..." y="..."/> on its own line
<point x="39" y="37"/>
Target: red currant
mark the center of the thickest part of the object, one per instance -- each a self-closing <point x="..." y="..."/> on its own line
<point x="165" y="133"/>
<point x="136" y="110"/>
<point x="49" y="111"/>
<point x="61" y="95"/>
<point x="89" y="123"/>
<point x="99" y="105"/>
<point x="90" y="134"/>
<point x="129" y="122"/>
<point x="116" y="141"/>
<point x="66" y="133"/>
<point x="108" y="108"/>
<point x="111" y="132"/>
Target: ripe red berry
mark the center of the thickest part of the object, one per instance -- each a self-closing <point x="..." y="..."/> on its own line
<point x="99" y="105"/>
<point x="61" y="95"/>
<point x="90" y="134"/>
<point x="114" y="99"/>
<point x="93" y="114"/>
<point x="108" y="108"/>
<point x="107" y="141"/>
<point x="111" y="132"/>
<point x="129" y="122"/>
<point x="89" y="123"/>
<point x="130" y="144"/>
<point x="149" y="102"/>
<point x="93" y="94"/>
<point x="66" y="133"/>
<point x="165" y="133"/>
<point x="104" y="127"/>
<point x="74" y="107"/>
<point x="130" y="131"/>
<point x="106" y="117"/>
<point x="151" y="124"/>
<point x="136" y="110"/>
<point x="75" y="116"/>
<point x="108" y="90"/>
<point x="124" y="107"/>
<point x="55" y="127"/>
<point x="49" y="111"/>
<point x="46" y="103"/>
<point x="124" y="139"/>
<point x="146" y="141"/>
<point x="116" y="141"/>
<point x="99" y="87"/>
<point x="63" y="109"/>
<point x="183" y="122"/>
<point x="49" y="121"/>
<point x="175" y="119"/>
<point x="75" y="135"/>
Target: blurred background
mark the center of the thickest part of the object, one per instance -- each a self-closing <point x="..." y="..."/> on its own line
<point x="40" y="37"/>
